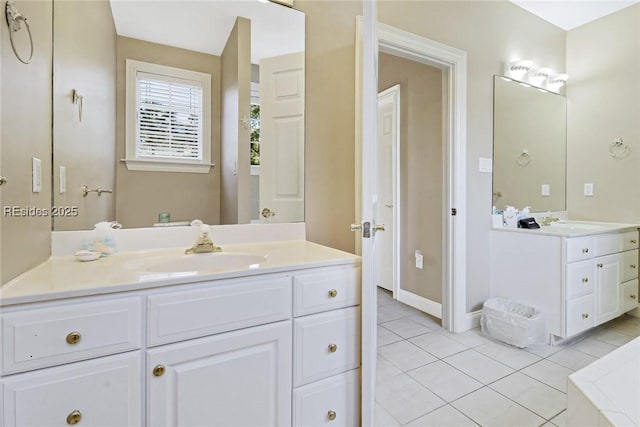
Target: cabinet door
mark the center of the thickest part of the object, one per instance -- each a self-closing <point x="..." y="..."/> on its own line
<point x="629" y="265"/>
<point x="608" y="279"/>
<point x="240" y="378"/>
<point x="100" y="392"/>
<point x="579" y="315"/>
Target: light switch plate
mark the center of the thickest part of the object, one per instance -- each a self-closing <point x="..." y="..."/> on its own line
<point x="545" y="190"/>
<point x="63" y="180"/>
<point x="588" y="189"/>
<point x="485" y="165"/>
<point x="36" y="175"/>
<point x="419" y="260"/>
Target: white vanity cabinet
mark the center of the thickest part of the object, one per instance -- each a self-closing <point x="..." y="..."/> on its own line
<point x="271" y="349"/>
<point x="579" y="282"/>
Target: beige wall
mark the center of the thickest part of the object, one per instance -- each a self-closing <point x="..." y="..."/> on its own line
<point x="140" y="196"/>
<point x="603" y="62"/>
<point x="420" y="171"/>
<point x="490" y="33"/>
<point x="330" y="120"/>
<point x="85" y="60"/>
<point x="25" y="241"/>
<point x="235" y="183"/>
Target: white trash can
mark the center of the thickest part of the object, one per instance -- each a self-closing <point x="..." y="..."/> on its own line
<point x="512" y="322"/>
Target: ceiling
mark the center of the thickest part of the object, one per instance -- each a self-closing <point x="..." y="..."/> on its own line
<point x="571" y="14"/>
<point x="204" y="26"/>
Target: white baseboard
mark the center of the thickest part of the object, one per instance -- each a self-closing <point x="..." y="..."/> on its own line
<point x="471" y="320"/>
<point x="421" y="303"/>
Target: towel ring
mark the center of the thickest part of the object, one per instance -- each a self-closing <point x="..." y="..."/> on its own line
<point x="523" y="159"/>
<point x="13" y="20"/>
<point x="618" y="149"/>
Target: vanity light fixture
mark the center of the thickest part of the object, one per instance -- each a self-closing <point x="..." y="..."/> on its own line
<point x="528" y="74"/>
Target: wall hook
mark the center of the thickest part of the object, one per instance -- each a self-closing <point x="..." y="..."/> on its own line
<point x="77" y="99"/>
<point x="618" y="149"/>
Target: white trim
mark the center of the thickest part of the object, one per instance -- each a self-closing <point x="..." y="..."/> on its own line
<point x="131" y="159"/>
<point x="158" y="166"/>
<point x="454" y="63"/>
<point x="254" y="170"/>
<point x="421" y="303"/>
<point x="471" y="320"/>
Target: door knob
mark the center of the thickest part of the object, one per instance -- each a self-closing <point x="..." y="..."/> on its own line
<point x="355" y="227"/>
<point x="267" y="213"/>
<point x="378" y="227"/>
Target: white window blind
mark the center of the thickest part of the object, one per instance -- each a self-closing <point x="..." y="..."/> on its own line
<point x="169" y="118"/>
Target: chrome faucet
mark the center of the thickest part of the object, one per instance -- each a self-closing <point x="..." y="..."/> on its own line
<point x="547" y="220"/>
<point x="204" y="243"/>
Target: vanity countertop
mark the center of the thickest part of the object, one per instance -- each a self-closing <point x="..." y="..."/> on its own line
<point x="66" y="277"/>
<point x="573" y="228"/>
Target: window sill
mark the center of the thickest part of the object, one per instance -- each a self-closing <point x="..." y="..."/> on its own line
<point x="155" y="166"/>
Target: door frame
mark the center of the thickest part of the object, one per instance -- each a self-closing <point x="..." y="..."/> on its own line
<point x="394" y="91"/>
<point x="372" y="37"/>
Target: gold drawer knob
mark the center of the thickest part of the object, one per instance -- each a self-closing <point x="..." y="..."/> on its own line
<point x="585" y="251"/>
<point x="73" y="338"/>
<point x="585" y="315"/>
<point x="158" y="370"/>
<point x="633" y="241"/>
<point x="632" y="266"/>
<point x="74" y="417"/>
<point x="333" y="348"/>
<point x="331" y="415"/>
<point x="632" y="296"/>
<point x="585" y="280"/>
<point x="333" y="293"/>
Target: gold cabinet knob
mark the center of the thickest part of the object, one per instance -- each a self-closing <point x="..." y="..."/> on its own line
<point x="633" y="296"/>
<point x="632" y="266"/>
<point x="333" y="348"/>
<point x="333" y="293"/>
<point x="74" y="417"/>
<point x="585" y="279"/>
<point x="331" y="415"/>
<point x="585" y="251"/>
<point x="585" y="315"/>
<point x="599" y="265"/>
<point x="633" y="241"/>
<point x="73" y="337"/>
<point x="158" y="370"/>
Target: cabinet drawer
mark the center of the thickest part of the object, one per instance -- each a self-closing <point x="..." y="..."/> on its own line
<point x="580" y="314"/>
<point x="326" y="289"/>
<point x="325" y="344"/>
<point x="101" y="392"/>
<point x="580" y="248"/>
<point x="629" y="241"/>
<point x="333" y="401"/>
<point x="236" y="304"/>
<point x="580" y="278"/>
<point x="39" y="338"/>
<point x="629" y="265"/>
<point x="629" y="295"/>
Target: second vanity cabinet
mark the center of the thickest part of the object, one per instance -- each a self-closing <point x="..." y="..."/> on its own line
<point x="265" y="350"/>
<point x="579" y="282"/>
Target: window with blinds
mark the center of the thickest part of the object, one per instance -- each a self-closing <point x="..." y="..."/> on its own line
<point x="168" y="118"/>
<point x="169" y="121"/>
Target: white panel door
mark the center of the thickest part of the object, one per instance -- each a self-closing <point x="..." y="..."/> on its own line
<point x="240" y="378"/>
<point x="388" y="135"/>
<point x="282" y="138"/>
<point x="608" y="279"/>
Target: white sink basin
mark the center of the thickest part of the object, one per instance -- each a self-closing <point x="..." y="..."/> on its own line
<point x="577" y="226"/>
<point x="206" y="262"/>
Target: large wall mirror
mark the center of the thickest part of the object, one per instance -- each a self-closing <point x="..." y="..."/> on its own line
<point x="136" y="135"/>
<point x="529" y="147"/>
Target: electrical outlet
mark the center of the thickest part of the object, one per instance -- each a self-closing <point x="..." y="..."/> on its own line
<point x="545" y="190"/>
<point x="36" y="175"/>
<point x="588" y="189"/>
<point x="419" y="260"/>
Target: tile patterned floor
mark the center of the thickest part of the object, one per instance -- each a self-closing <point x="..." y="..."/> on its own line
<point x="429" y="377"/>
